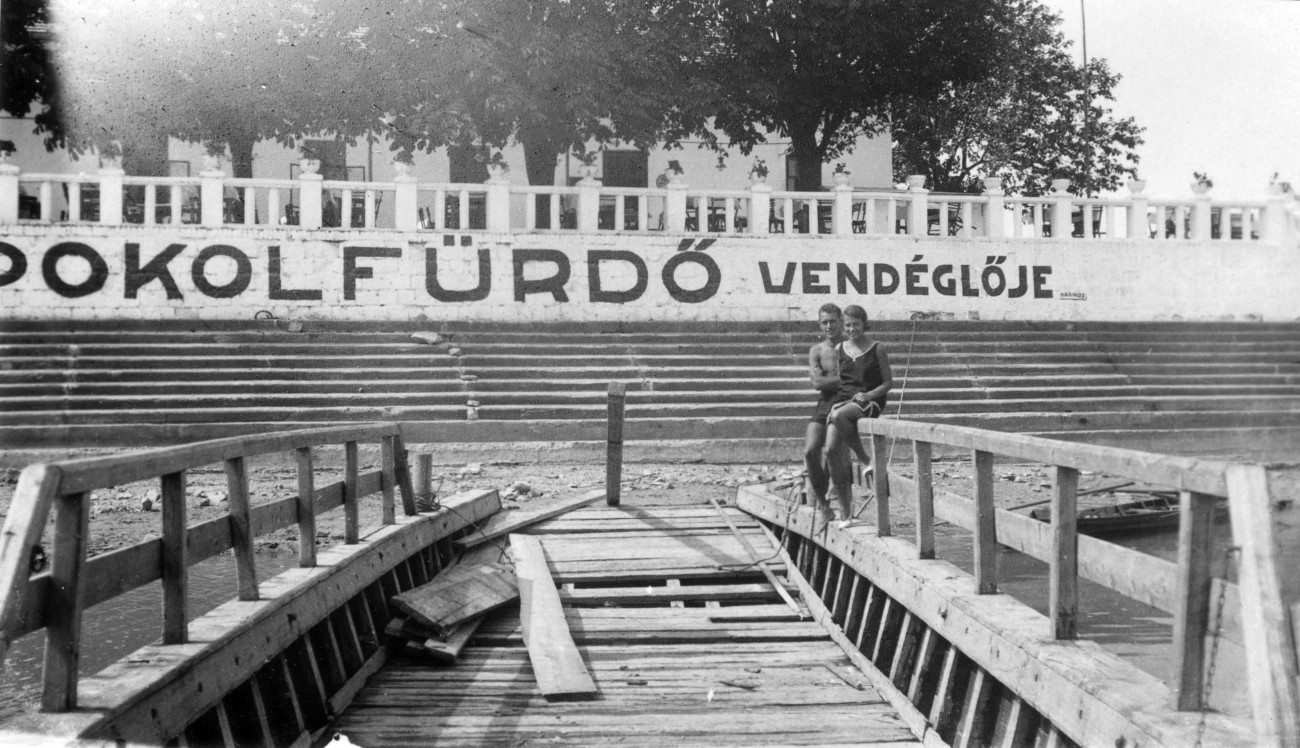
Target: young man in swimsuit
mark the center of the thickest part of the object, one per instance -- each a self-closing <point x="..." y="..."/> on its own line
<point x="823" y="372"/>
<point x="865" y="381"/>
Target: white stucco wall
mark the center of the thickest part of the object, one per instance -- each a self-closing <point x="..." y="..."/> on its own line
<point x="732" y="278"/>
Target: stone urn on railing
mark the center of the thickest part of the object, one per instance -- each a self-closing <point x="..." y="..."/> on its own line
<point x="1203" y="183"/>
<point x="402" y="165"/>
<point x="675" y="172"/>
<point x="309" y="163"/>
<point x="497" y="168"/>
<point x="841" y="175"/>
<point x="1060" y="186"/>
<point x="758" y="172"/>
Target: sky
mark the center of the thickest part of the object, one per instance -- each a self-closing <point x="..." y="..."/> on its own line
<point x="1216" y="84"/>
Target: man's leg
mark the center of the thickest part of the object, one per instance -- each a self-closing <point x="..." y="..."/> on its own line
<point x="818" y="480"/>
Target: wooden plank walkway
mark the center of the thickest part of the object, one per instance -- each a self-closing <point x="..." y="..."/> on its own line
<point x="697" y="672"/>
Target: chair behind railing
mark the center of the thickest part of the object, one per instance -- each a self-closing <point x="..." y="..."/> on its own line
<point x="56" y="599"/>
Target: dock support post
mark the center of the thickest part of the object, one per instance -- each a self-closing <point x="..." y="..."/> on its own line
<point x="924" y="500"/>
<point x="986" y="541"/>
<point x="614" y="448"/>
<point x="423" y="475"/>
<point x="306" y="509"/>
<point x="175" y="566"/>
<point x="351" y="524"/>
<point x="880" y="456"/>
<point x="1192" y="616"/>
<point x="63" y="632"/>
<point x="241" y="532"/>
<point x="1063" y="587"/>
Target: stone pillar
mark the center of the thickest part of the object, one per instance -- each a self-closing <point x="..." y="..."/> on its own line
<point x="760" y="208"/>
<point x="309" y="194"/>
<point x="918" y="220"/>
<point x="9" y="193"/>
<point x="406" y="199"/>
<point x="1138" y="228"/>
<point x="675" y="206"/>
<point x="498" y="199"/>
<point x="843" y="215"/>
<point x="211" y="195"/>
<point x="1062" y="207"/>
<point x="994" y="207"/>
<point x="1276" y="226"/>
<point x="1201" y="211"/>
<point x="589" y="204"/>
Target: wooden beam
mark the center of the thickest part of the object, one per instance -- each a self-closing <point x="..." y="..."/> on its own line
<point x="1192" y="619"/>
<point x="175" y="560"/>
<point x="458" y="594"/>
<point x="557" y="664"/>
<point x="1063" y="577"/>
<point x="447" y="651"/>
<point x="598" y="596"/>
<point x="880" y="456"/>
<point x="402" y="472"/>
<point x="986" y="539"/>
<point x="614" y="444"/>
<point x="63" y="635"/>
<point x="388" y="469"/>
<point x="306" y="509"/>
<point x="28" y="510"/>
<point x="1270" y="645"/>
<point x="924" y="500"/>
<point x="241" y="535"/>
<point x="351" y="466"/>
<point x="504" y="523"/>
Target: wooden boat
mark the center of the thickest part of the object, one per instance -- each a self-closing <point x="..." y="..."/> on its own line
<point x="1158" y="513"/>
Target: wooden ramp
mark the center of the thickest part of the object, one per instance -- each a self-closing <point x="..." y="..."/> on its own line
<point x="737" y="669"/>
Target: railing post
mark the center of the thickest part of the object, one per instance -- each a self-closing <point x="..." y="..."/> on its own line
<point x="406" y="200"/>
<point x="589" y="205"/>
<point x="918" y="221"/>
<point x="614" y="444"/>
<point x="212" y="198"/>
<point x="175" y="569"/>
<point x="760" y="208"/>
<point x="402" y="471"/>
<point x="1063" y="586"/>
<point x="880" y="458"/>
<point x="994" y="206"/>
<point x="9" y="193"/>
<point x="310" y="188"/>
<point x="675" y="206"/>
<point x="1062" y="207"/>
<point x="1266" y="629"/>
<point x="306" y="508"/>
<point x="110" y="195"/>
<point x="1201" y="209"/>
<point x="498" y="201"/>
<point x="986" y="541"/>
<point x="387" y="479"/>
<point x="921" y="452"/>
<point x="67" y="593"/>
<point x="1192" y="614"/>
<point x="1275" y="225"/>
<point x="1138" y="228"/>
<point x="843" y="209"/>
<point x="241" y="533"/>
<point x="351" y="466"/>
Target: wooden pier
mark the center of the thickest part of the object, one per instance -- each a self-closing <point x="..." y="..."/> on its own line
<point x="701" y="625"/>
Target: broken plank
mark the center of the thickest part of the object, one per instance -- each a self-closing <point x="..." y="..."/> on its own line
<point x="402" y="627"/>
<point x="504" y="523"/>
<point x="459" y="594"/>
<point x="447" y="652"/>
<point x="557" y="665"/>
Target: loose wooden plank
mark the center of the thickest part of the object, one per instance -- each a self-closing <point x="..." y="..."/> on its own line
<point x="639" y="595"/>
<point x="614" y="443"/>
<point x="1063" y="578"/>
<point x="505" y="523"/>
<point x="28" y="510"/>
<point x="448" y="651"/>
<point x="459" y="594"/>
<point x="557" y="665"/>
<point x="758" y="560"/>
<point x="1191" y="621"/>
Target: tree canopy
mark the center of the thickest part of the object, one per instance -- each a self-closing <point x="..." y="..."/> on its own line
<point x="27" y="80"/>
<point x="1039" y="116"/>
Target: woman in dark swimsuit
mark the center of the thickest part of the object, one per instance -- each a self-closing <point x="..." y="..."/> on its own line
<point x="865" y="381"/>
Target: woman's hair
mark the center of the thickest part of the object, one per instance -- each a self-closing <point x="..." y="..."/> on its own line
<point x="856" y="312"/>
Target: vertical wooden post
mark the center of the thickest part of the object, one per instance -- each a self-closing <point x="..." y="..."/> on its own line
<point x="37" y="486"/>
<point x="1270" y="642"/>
<point x="1063" y="585"/>
<point x="306" y="508"/>
<point x="423" y="475"/>
<point x="1192" y="614"/>
<point x="351" y="532"/>
<point x="614" y="444"/>
<point x="986" y="541"/>
<point x="63" y="627"/>
<point x="175" y="582"/>
<point x="241" y="534"/>
<point x="402" y="471"/>
<point x="924" y="500"/>
<point x="880" y="456"/>
<point x="387" y="479"/>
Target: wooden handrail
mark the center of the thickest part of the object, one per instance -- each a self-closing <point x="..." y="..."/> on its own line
<point x="55" y="599"/>
<point x="1184" y="588"/>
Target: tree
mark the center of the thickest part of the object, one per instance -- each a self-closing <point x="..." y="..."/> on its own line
<point x="825" y="72"/>
<point x="1039" y="116"/>
<point x="27" y="80"/>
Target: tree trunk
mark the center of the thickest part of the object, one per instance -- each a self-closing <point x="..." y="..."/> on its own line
<point x="241" y="154"/>
<point x="808" y="155"/>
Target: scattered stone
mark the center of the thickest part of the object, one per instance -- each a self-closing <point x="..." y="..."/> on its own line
<point x="1009" y="477"/>
<point x="453" y="351"/>
<point x="471" y="414"/>
<point x="428" y="338"/>
<point x="469" y="377"/>
<point x="146" y="505"/>
<point x="521" y="487"/>
<point x="472" y="403"/>
<point x="205" y="501"/>
<point x="294" y="327"/>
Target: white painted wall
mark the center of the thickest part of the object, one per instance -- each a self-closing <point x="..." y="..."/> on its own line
<point x="1097" y="280"/>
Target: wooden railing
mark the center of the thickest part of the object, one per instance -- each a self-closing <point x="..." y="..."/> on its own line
<point x="56" y="599"/>
<point x="1255" y="613"/>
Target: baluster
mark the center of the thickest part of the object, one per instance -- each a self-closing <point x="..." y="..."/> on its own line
<point x="350" y="468"/>
<point x="370" y="209"/>
<point x="967" y="220"/>
<point x="47" y="201"/>
<point x="530" y="211"/>
<point x="345" y="219"/>
<point x="273" y="206"/>
<point x="555" y="211"/>
<point x="175" y="582"/>
<point x="1180" y="223"/>
<point x="1192" y="611"/>
<point x="241" y="535"/>
<point x="1063" y="586"/>
<point x="439" y="209"/>
<point x="150" y="205"/>
<point x="1109" y="212"/>
<point x="65" y="604"/>
<point x="924" y="500"/>
<point x="1018" y="218"/>
<point x="620" y="201"/>
<point x="943" y="217"/>
<point x="870" y="222"/>
<point x="463" y="218"/>
<point x="986" y="544"/>
<point x="388" y="479"/>
<point x="892" y="222"/>
<point x="250" y="205"/>
<point x="306" y="509"/>
<point x="1038" y="219"/>
<point x="74" y="201"/>
<point x="787" y="206"/>
<point x="729" y="214"/>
